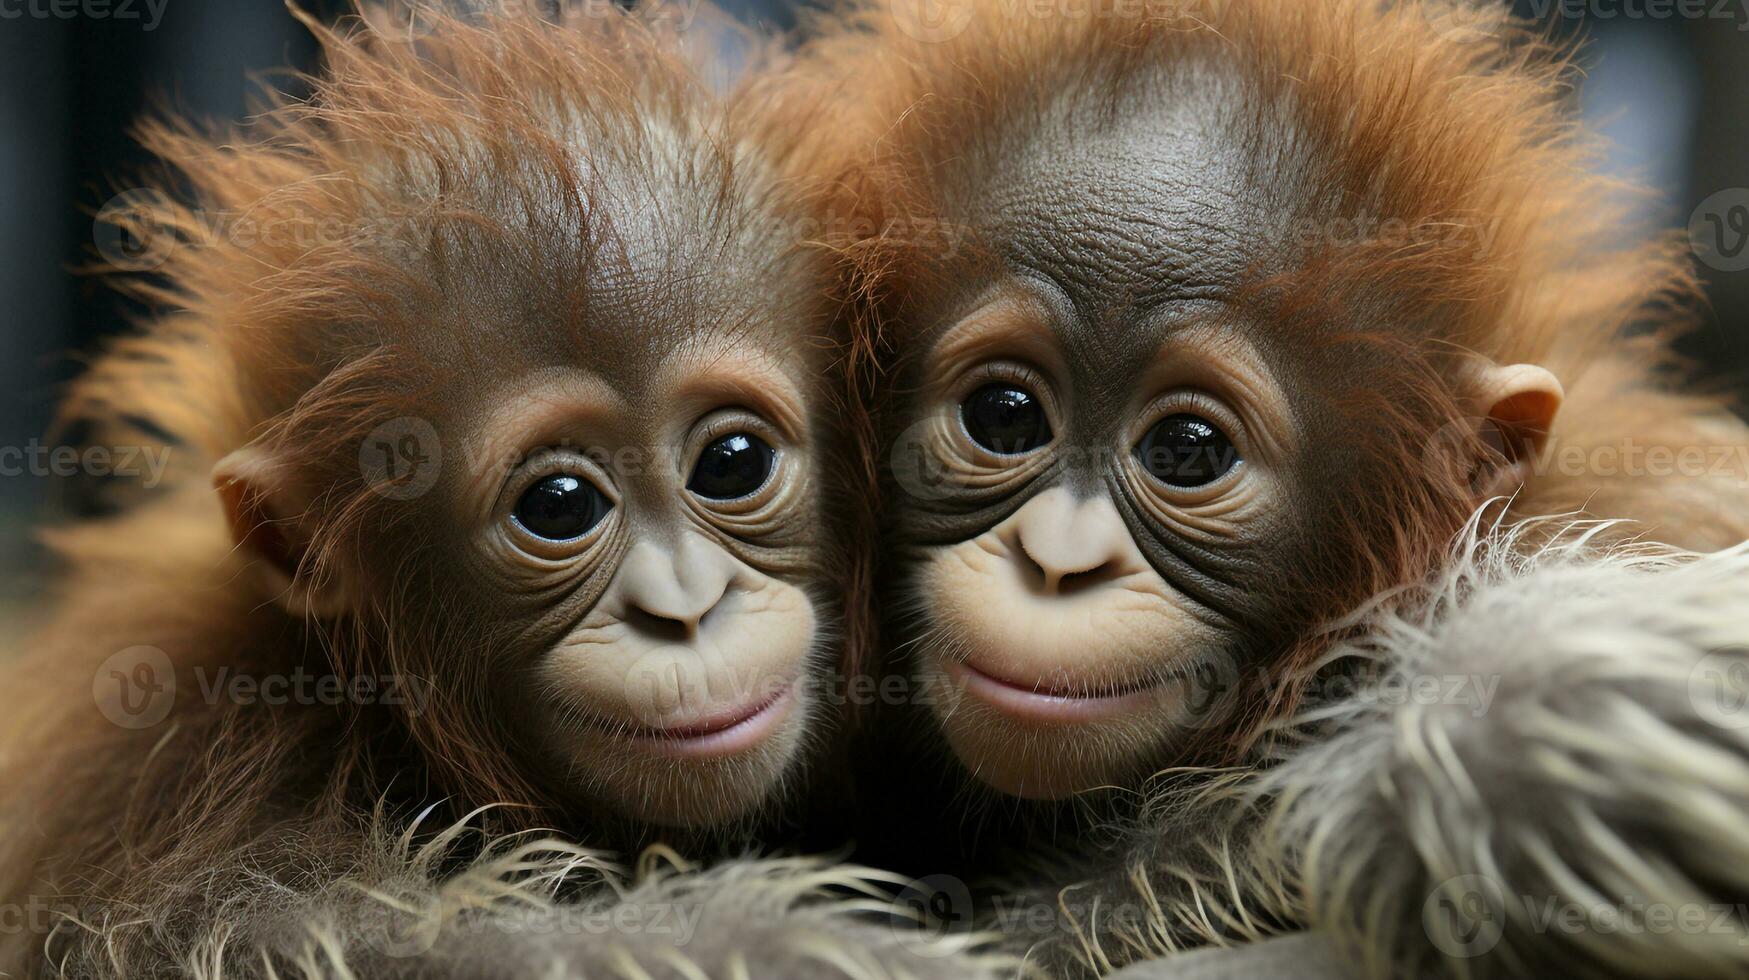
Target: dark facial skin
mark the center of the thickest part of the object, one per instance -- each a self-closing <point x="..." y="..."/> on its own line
<point x="663" y="656"/>
<point x="1080" y="617"/>
<point x="623" y="416"/>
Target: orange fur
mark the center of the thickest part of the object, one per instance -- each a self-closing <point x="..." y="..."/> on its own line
<point x="425" y="202"/>
<point x="1447" y="116"/>
<point x="1350" y="109"/>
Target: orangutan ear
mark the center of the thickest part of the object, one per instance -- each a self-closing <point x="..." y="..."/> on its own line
<point x="1518" y="404"/>
<point x="272" y="522"/>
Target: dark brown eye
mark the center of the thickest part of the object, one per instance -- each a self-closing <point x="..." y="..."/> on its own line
<point x="1186" y="451"/>
<point x="561" y="507"/>
<point x="1005" y="419"/>
<point x="731" y="467"/>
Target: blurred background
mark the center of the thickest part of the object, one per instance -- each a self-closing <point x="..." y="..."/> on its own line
<point x="1667" y="80"/>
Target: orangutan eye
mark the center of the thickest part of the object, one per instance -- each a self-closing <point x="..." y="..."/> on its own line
<point x="1005" y="419"/>
<point x="561" y="507"/>
<point x="1186" y="451"/>
<point x="731" y="467"/>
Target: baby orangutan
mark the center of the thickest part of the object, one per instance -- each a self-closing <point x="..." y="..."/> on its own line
<point x="1142" y="430"/>
<point x="509" y="368"/>
<point x="1192" y="327"/>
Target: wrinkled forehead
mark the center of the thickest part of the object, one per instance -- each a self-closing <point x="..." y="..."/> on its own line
<point x="1137" y="223"/>
<point x="636" y="360"/>
<point x="646" y="278"/>
<point x="1126" y="201"/>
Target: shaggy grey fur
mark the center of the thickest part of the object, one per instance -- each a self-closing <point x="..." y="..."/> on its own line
<point x="547" y="909"/>
<point x="1302" y="956"/>
<point x="1586" y="818"/>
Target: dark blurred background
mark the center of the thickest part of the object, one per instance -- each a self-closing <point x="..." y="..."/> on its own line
<point x="1667" y="80"/>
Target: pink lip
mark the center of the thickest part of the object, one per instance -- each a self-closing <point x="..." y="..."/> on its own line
<point x="1047" y="707"/>
<point x="723" y="734"/>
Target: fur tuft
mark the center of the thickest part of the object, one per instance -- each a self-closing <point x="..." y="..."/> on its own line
<point x="463" y="904"/>
<point x="518" y="911"/>
<point x="1538" y="765"/>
